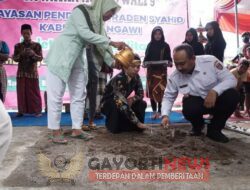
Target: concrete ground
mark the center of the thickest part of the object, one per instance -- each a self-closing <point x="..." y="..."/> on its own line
<point x="230" y="163"/>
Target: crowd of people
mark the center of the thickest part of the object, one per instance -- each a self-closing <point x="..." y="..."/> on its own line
<point x="207" y="86"/>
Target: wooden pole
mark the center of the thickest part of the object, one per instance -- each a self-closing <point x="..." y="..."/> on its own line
<point x="187" y="13"/>
<point x="236" y="22"/>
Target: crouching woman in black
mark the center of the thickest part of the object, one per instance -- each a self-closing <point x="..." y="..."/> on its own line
<point x="124" y="113"/>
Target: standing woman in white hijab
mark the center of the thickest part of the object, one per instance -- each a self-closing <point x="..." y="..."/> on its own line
<point x="66" y="65"/>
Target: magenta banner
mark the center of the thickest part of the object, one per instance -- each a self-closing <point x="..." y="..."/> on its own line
<point x="133" y="24"/>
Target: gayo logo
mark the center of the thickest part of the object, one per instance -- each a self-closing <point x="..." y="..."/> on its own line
<point x="61" y="168"/>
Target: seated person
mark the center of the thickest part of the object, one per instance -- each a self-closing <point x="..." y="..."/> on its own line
<point x="240" y="74"/>
<point x="208" y="88"/>
<point x="124" y="113"/>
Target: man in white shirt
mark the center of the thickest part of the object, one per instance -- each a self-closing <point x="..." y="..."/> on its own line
<point x="208" y="88"/>
<point x="5" y="131"/>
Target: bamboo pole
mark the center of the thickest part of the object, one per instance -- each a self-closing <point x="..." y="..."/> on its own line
<point x="236" y="22"/>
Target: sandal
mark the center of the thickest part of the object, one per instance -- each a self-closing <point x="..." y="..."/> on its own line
<point x="66" y="132"/>
<point x="84" y="136"/>
<point x="58" y="139"/>
<point x="86" y="128"/>
<point x="92" y="126"/>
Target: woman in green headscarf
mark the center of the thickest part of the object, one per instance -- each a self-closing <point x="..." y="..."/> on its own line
<point x="66" y="64"/>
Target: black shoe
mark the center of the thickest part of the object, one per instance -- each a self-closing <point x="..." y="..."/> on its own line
<point x="217" y="136"/>
<point x="196" y="132"/>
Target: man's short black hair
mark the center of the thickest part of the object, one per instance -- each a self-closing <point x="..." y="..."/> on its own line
<point x="26" y="27"/>
<point x="187" y="48"/>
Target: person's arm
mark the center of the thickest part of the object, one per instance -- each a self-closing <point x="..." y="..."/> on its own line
<point x="139" y="93"/>
<point x="170" y="95"/>
<point x="38" y="53"/>
<point x="238" y="78"/>
<point x="17" y="53"/>
<point x="147" y="54"/>
<point x="122" y="103"/>
<point x="225" y="78"/>
<point x="80" y="23"/>
<point x="167" y="53"/>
